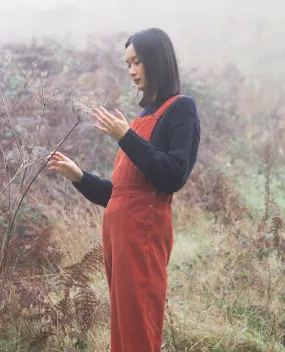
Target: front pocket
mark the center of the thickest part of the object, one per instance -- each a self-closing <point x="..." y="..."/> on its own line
<point x="141" y="208"/>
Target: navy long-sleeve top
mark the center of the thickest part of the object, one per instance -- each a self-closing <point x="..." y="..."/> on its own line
<point x="166" y="160"/>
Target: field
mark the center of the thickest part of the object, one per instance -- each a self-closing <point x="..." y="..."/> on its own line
<point x="226" y="283"/>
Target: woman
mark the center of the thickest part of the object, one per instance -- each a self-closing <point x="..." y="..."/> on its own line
<point x="157" y="153"/>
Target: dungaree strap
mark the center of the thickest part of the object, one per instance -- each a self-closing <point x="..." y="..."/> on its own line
<point x="165" y="106"/>
<point x="161" y="195"/>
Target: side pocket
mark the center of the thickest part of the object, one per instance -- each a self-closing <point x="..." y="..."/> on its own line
<point x="141" y="208"/>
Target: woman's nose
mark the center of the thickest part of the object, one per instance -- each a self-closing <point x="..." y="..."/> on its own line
<point x="132" y="71"/>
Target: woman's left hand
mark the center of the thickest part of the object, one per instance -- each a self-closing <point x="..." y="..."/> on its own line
<point x="115" y="126"/>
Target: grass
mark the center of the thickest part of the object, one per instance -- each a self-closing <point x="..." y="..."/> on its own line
<point x="206" y="318"/>
<point x="217" y="301"/>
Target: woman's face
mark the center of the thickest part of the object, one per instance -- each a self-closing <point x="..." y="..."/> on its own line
<point x="136" y="68"/>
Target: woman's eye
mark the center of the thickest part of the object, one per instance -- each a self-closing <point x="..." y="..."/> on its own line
<point x="136" y="63"/>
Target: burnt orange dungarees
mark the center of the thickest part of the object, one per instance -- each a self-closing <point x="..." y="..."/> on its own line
<point x="137" y="242"/>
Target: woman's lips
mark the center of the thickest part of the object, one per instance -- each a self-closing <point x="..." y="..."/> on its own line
<point x="137" y="81"/>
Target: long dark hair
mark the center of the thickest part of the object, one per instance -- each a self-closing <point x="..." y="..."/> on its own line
<point x="155" y="50"/>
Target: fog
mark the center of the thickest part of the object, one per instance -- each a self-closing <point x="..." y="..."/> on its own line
<point x="205" y="33"/>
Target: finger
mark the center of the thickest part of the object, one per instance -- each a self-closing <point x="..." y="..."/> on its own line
<point x="52" y="162"/>
<point x="53" y="168"/>
<point x="102" y="119"/>
<point x="107" y="114"/>
<point x="54" y="157"/>
<point x="58" y="163"/>
<point x="63" y="163"/>
<point x="101" y="129"/>
<point x="120" y="115"/>
<point x="62" y="156"/>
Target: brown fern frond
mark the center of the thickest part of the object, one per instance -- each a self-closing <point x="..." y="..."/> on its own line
<point x="44" y="250"/>
<point x="8" y="307"/>
<point x="52" y="316"/>
<point x="73" y="276"/>
<point x="228" y="191"/>
<point x="272" y="240"/>
<point x="31" y="293"/>
<point x="276" y="225"/>
<point x="65" y="311"/>
<point x="77" y="274"/>
<point x="86" y="305"/>
<point x="275" y="208"/>
<point x="228" y="200"/>
<point x="93" y="261"/>
<point x="34" y="255"/>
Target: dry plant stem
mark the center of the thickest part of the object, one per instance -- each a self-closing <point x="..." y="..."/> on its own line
<point x="9" y="231"/>
<point x="40" y="125"/>
<point x="8" y="114"/>
<point x="43" y="113"/>
<point x="12" y="179"/>
<point x="96" y="146"/>
<point x="269" y="287"/>
<point x="42" y="157"/>
<point x="30" y="165"/>
<point x="37" y="135"/>
<point x="15" y="103"/>
<point x="172" y="331"/>
<point x="6" y="167"/>
<point x="195" y="344"/>
<point x="269" y="165"/>
<point x="21" y="185"/>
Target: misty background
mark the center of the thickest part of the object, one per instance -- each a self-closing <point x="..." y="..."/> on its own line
<point x="206" y="33"/>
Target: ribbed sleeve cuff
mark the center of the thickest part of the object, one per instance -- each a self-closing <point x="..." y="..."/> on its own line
<point x="128" y="139"/>
<point x="78" y="184"/>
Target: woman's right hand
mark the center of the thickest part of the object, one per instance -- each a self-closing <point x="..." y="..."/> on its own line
<point x="65" y="166"/>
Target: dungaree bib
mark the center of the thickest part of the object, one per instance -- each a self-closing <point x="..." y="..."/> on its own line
<point x="137" y="242"/>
